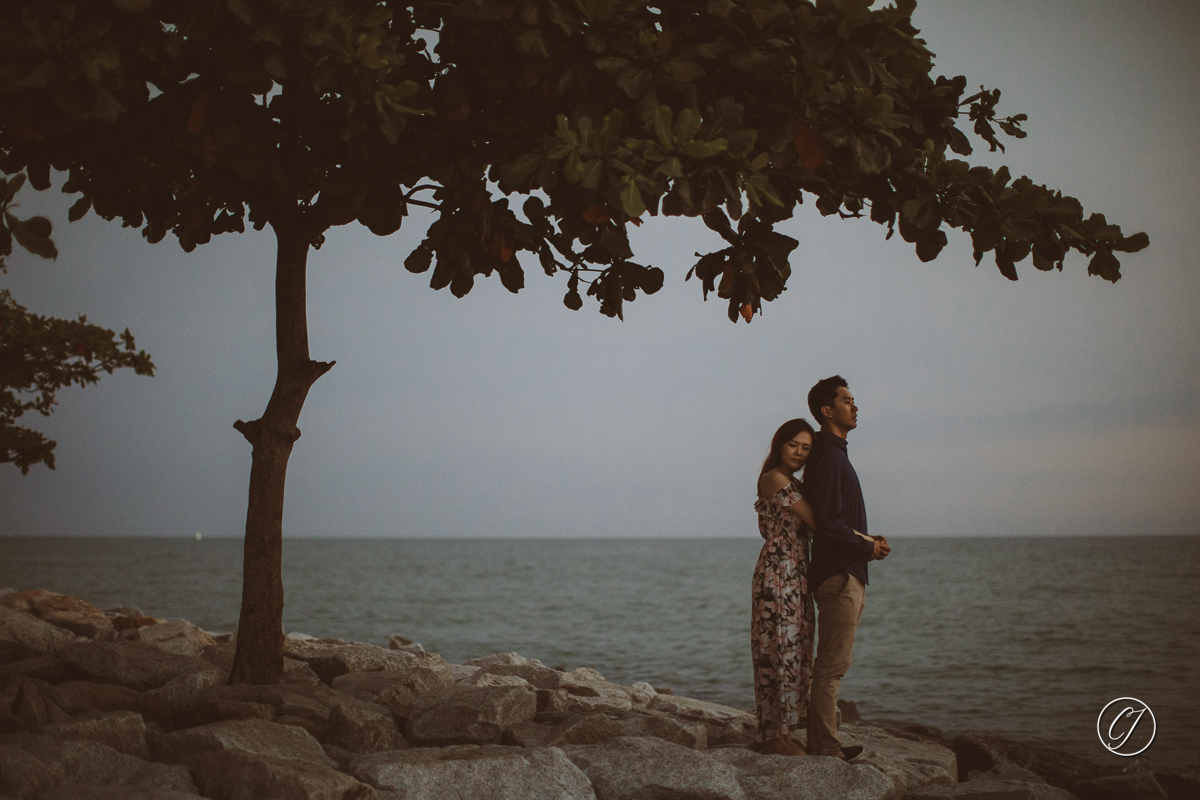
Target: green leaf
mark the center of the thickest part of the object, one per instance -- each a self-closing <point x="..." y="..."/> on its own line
<point x="703" y="149"/>
<point x="631" y="199"/>
<point x="1132" y="244"/>
<point x="662" y="126"/>
<point x="687" y="125"/>
<point x="28" y="237"/>
<point x="683" y="71"/>
<point x="518" y="170"/>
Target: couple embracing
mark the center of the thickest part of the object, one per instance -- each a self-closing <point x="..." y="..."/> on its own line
<point x="827" y="511"/>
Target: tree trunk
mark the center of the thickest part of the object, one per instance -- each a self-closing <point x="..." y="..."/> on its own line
<point x="259" y="655"/>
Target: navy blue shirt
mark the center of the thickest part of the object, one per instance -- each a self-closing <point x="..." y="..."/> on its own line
<point x="831" y="487"/>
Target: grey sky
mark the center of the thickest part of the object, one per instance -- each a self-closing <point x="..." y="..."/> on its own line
<point x="1056" y="405"/>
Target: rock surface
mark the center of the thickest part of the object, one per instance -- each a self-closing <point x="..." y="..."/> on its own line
<point x="469" y="715"/>
<point x="131" y="664"/>
<point x="764" y="777"/>
<point x="77" y="616"/>
<point x="236" y="775"/>
<point x="253" y="736"/>
<point x="474" y="772"/>
<point x="83" y="718"/>
<point x="630" y="768"/>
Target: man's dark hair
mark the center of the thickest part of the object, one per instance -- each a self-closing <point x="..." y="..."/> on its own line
<point x="824" y="393"/>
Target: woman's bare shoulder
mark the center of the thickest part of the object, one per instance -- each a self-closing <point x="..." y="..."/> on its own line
<point x="771" y="482"/>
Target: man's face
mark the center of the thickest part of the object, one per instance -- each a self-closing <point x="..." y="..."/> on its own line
<point x="843" y="414"/>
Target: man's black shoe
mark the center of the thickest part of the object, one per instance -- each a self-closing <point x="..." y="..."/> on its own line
<point x="851" y="752"/>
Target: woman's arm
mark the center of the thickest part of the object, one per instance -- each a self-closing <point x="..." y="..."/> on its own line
<point x="803" y="510"/>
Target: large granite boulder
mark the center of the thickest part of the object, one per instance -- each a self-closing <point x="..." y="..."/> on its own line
<point x="767" y="777"/>
<point x="329" y="658"/>
<point x="394" y="688"/>
<point x="726" y="725"/>
<point x="469" y="715"/>
<point x="116" y="791"/>
<point x="908" y="759"/>
<point x="23" y="776"/>
<point x="633" y="768"/>
<point x="51" y="669"/>
<point x="982" y="752"/>
<point x="123" y="731"/>
<point x="177" y="636"/>
<point x="991" y="790"/>
<point x="77" y="616"/>
<point x="600" y="726"/>
<point x="23" y="635"/>
<point x="236" y="775"/>
<point x="1139" y="785"/>
<point x="84" y="762"/>
<point x="362" y="727"/>
<point x="480" y="773"/>
<point x="253" y="736"/>
<point x="132" y="664"/>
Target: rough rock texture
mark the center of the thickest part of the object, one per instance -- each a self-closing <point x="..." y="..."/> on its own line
<point x="330" y="658"/>
<point x="177" y="636"/>
<point x="46" y="668"/>
<point x="78" y="697"/>
<point x="362" y="727"/>
<point x="725" y="725"/>
<point x="977" y="751"/>
<point x="774" y="777"/>
<point x="908" y="759"/>
<point x="185" y="691"/>
<point x="465" y="715"/>
<point x="253" y="736"/>
<point x="22" y="775"/>
<point x="479" y="773"/>
<point x="77" y="616"/>
<point x="117" y="791"/>
<point x="988" y="790"/>
<point x="1178" y="787"/>
<point x="632" y="768"/>
<point x="398" y="642"/>
<point x="132" y="664"/>
<point x="394" y="688"/>
<point x="31" y="700"/>
<point x="600" y="726"/>
<point x="26" y="636"/>
<point x="1006" y="772"/>
<point x="123" y="731"/>
<point x="234" y="775"/>
<point x="85" y="762"/>
<point x="1127" y="786"/>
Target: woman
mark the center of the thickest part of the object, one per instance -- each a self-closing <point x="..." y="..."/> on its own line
<point x="782" y="627"/>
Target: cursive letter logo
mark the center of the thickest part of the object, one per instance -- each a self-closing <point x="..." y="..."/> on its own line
<point x="1121" y="729"/>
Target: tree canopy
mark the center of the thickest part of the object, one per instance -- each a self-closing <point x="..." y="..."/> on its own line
<point x="40" y="355"/>
<point x="198" y="117"/>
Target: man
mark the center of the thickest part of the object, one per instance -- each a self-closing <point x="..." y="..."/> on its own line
<point x="841" y="548"/>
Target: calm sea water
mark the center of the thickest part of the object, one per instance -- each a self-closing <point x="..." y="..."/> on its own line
<point x="1023" y="638"/>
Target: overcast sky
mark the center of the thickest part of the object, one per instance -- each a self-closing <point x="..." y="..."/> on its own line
<point x="1057" y="405"/>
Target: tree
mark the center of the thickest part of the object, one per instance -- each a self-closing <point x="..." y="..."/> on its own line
<point x="193" y="117"/>
<point x="40" y="355"/>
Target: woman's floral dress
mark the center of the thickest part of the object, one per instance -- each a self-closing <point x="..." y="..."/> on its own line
<point x="782" y="623"/>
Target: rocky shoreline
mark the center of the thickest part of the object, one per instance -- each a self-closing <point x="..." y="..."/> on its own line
<point x="115" y="705"/>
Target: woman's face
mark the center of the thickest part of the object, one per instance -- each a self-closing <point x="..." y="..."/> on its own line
<point x="794" y="453"/>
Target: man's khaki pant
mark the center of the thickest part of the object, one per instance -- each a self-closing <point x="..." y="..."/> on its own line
<point x="839" y="607"/>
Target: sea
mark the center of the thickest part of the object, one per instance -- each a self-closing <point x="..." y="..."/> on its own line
<point x="1025" y="638"/>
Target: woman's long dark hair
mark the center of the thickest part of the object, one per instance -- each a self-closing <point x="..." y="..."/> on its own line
<point x="787" y="431"/>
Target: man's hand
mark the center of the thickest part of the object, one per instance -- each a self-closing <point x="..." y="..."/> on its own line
<point x="881" y="548"/>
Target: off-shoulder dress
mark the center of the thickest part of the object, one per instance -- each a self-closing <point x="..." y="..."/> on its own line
<point x="782" y="624"/>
